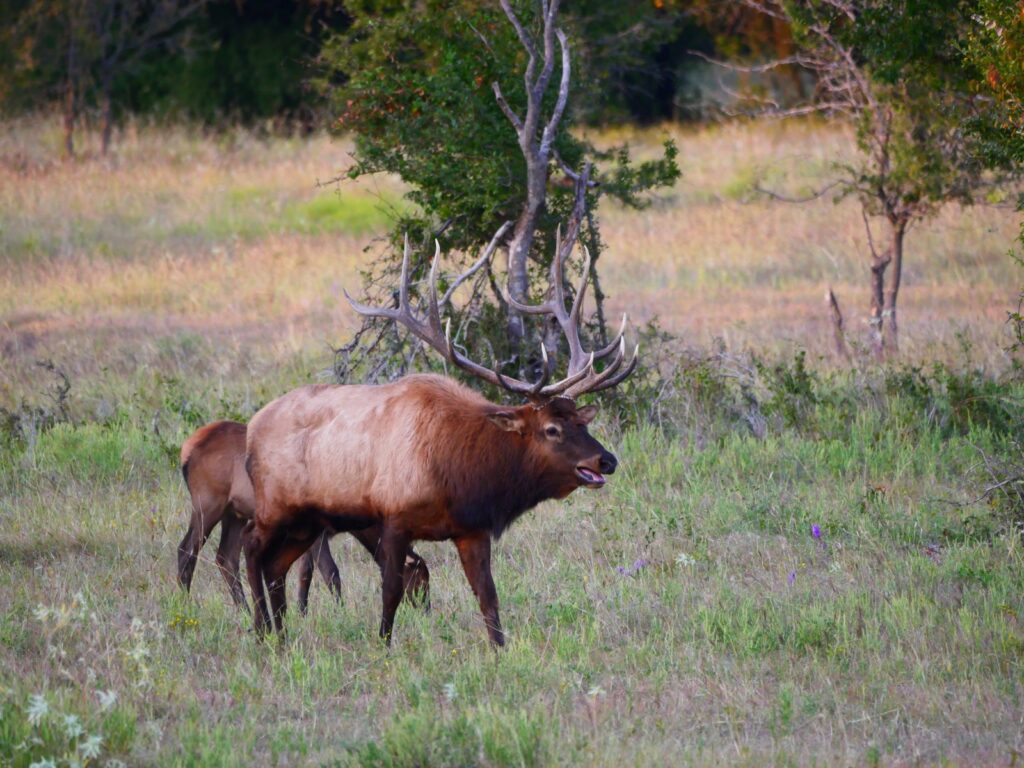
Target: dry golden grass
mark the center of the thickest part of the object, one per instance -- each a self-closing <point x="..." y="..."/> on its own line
<point x="180" y="231"/>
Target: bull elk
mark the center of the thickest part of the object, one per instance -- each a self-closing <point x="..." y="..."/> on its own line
<point x="213" y="465"/>
<point x="425" y="457"/>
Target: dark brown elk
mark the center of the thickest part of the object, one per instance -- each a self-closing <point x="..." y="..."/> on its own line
<point x="213" y="465"/>
<point x="425" y="457"/>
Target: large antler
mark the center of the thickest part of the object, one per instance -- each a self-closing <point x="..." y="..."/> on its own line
<point x="581" y="375"/>
<point x="427" y="325"/>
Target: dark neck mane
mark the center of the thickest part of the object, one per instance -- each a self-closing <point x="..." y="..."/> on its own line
<point x="489" y="476"/>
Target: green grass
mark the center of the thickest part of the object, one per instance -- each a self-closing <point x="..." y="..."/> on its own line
<point x="733" y="634"/>
<point x="335" y="212"/>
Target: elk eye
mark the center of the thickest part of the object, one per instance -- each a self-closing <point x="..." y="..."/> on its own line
<point x="552" y="432"/>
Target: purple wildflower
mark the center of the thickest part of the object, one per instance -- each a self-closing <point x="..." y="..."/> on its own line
<point x="792" y="578"/>
<point x="816" y="531"/>
<point x="630" y="570"/>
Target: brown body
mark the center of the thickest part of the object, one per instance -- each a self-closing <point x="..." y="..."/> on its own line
<point x="423" y="458"/>
<point x="213" y="464"/>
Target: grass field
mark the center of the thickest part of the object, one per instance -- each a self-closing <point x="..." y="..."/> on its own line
<point x="686" y="615"/>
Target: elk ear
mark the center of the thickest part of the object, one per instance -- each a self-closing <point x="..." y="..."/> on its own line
<point x="510" y="421"/>
<point x="587" y="413"/>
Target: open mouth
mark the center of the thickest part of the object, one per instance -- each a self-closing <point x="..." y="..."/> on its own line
<point x="590" y="477"/>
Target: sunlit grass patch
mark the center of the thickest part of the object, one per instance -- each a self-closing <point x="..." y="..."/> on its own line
<point x="339" y="212"/>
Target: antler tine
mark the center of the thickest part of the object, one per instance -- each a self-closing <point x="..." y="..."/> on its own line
<point x="592" y="382"/>
<point x="559" y="387"/>
<point x="492" y="376"/>
<point x="545" y="373"/>
<point x="429" y="329"/>
<point x="403" y="286"/>
<point x="478" y="264"/>
<point x="571" y="326"/>
<point x="614" y="343"/>
<point x="433" y="310"/>
<point x="622" y="375"/>
<point x="368" y="311"/>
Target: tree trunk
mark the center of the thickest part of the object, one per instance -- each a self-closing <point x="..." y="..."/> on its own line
<point x="71" y="83"/>
<point x="70" y="109"/>
<point x="108" y="118"/>
<point x="519" y="252"/>
<point x="838" y="327"/>
<point x="878" y="267"/>
<point x="599" y="297"/>
<point x="891" y="329"/>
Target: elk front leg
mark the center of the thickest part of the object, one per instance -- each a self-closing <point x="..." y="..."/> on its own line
<point x="475" y="553"/>
<point x="228" y="554"/>
<point x="392" y="548"/>
<point x="415" y="574"/>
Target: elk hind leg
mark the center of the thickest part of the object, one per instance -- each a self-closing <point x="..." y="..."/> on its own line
<point x="206" y="513"/>
<point x="255" y="543"/>
<point x="276" y="571"/>
<point x="228" y="556"/>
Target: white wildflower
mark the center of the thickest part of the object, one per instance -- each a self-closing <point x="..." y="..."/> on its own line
<point x="44" y="763"/>
<point x="685" y="560"/>
<point x="42" y="613"/>
<point x="596" y="690"/>
<point x="72" y="727"/>
<point x="107" y="699"/>
<point x="90" y="748"/>
<point x="449" y="691"/>
<point x="38" y="709"/>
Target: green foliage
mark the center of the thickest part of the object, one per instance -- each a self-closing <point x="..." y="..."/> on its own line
<point x="995" y="49"/>
<point x="94" y="452"/>
<point x="417" y="97"/>
<point x="412" y="82"/>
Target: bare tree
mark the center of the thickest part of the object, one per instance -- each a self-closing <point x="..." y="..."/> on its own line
<point x="536" y="140"/>
<point x="914" y="154"/>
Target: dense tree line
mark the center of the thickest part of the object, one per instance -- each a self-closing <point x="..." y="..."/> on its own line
<point x="252" y="60"/>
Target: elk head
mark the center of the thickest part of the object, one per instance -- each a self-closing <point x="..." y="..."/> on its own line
<point x="557" y="439"/>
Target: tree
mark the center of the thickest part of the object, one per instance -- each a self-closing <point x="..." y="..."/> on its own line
<point x="468" y="103"/>
<point x="894" y="71"/>
<point x="86" y="44"/>
<point x="995" y="49"/>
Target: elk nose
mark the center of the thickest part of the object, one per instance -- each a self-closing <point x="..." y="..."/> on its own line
<point x="608" y="463"/>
